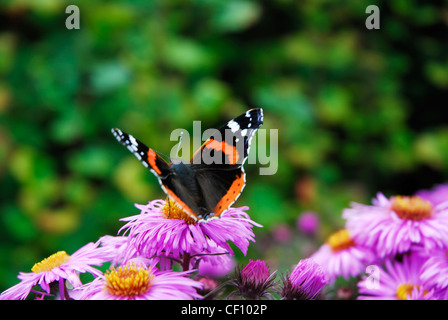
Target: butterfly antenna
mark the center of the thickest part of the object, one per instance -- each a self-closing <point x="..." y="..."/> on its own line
<point x="161" y="154"/>
<point x="178" y="148"/>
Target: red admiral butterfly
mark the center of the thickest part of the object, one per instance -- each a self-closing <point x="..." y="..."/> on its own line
<point x="204" y="188"/>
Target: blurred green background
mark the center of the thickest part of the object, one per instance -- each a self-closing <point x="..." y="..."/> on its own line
<point x="358" y="111"/>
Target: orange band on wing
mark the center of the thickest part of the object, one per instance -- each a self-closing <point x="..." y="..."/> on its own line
<point x="225" y="148"/>
<point x="152" y="161"/>
<point x="231" y="195"/>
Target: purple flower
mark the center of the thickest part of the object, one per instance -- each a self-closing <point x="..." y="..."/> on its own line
<point x="118" y="248"/>
<point x="437" y="195"/>
<point x="342" y="256"/>
<point x="209" y="290"/>
<point x="255" y="271"/>
<point x="398" y="224"/>
<point x="163" y="229"/>
<point x="215" y="266"/>
<point x="58" y="267"/>
<point x="254" y="281"/>
<point x="305" y="281"/>
<point x="434" y="272"/>
<point x="281" y="233"/>
<point x="399" y="281"/>
<point x="308" y="223"/>
<point x="136" y="281"/>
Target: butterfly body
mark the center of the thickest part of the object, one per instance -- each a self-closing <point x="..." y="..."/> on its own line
<point x="214" y="178"/>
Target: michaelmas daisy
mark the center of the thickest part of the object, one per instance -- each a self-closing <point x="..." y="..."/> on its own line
<point x="399" y="224"/>
<point x="57" y="268"/>
<point x="436" y="195"/>
<point x="136" y="281"/>
<point x="399" y="281"/>
<point x="435" y="272"/>
<point x="305" y="281"/>
<point x="254" y="281"/>
<point x="341" y="256"/>
<point x="163" y="229"/>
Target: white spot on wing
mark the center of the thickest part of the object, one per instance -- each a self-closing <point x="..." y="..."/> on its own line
<point x="233" y="125"/>
<point x="133" y="141"/>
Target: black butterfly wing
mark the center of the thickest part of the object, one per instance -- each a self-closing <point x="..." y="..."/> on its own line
<point x="221" y="183"/>
<point x="220" y="187"/>
<point x="215" y="178"/>
<point x="148" y="157"/>
<point x="230" y="144"/>
<point x="175" y="181"/>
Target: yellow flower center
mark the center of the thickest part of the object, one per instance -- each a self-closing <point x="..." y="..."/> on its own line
<point x="128" y="281"/>
<point x="172" y="211"/>
<point x="405" y="289"/>
<point x="53" y="261"/>
<point x="412" y="208"/>
<point x="340" y="240"/>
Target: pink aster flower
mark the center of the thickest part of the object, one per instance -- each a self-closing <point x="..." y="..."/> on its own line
<point x="254" y="281"/>
<point x="215" y="262"/>
<point x="58" y="267"/>
<point x="281" y="233"/>
<point x="163" y="229"/>
<point x="215" y="266"/>
<point x="437" y="195"/>
<point x="119" y="249"/>
<point x="305" y="281"/>
<point x="136" y="281"/>
<point x="308" y="223"/>
<point x="210" y="289"/>
<point x="399" y="281"/>
<point x="398" y="224"/>
<point x="434" y="272"/>
<point x="255" y="271"/>
<point x="341" y="256"/>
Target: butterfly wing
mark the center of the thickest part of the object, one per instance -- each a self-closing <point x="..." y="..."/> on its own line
<point x="220" y="188"/>
<point x="221" y="183"/>
<point x="179" y="187"/>
<point x="214" y="178"/>
<point x="148" y="157"/>
<point x="231" y="143"/>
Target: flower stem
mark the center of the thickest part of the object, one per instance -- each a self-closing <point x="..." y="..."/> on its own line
<point x="63" y="290"/>
<point x="186" y="262"/>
